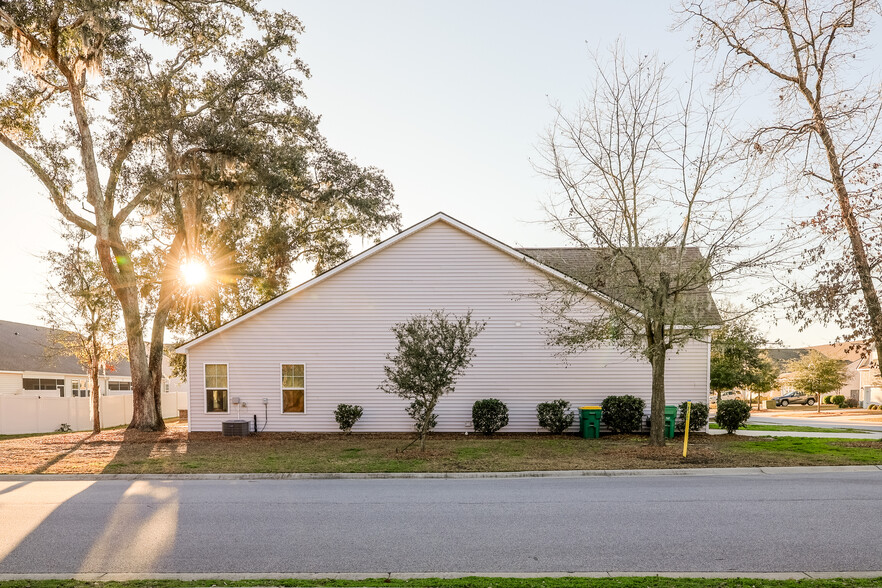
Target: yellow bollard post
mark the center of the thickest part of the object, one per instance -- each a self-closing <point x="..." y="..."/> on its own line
<point x="686" y="436"/>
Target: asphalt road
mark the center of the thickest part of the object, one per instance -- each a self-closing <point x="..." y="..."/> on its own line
<point x="760" y="523"/>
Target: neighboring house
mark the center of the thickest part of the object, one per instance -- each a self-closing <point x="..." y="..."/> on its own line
<point x="291" y="361"/>
<point x="32" y="365"/>
<point x="849" y="353"/>
<point x="870" y="380"/>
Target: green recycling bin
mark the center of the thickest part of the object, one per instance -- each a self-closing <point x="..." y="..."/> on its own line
<point x="670" y="420"/>
<point x="589" y="421"/>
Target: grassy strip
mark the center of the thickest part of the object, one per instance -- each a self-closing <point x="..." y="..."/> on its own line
<point x="474" y="582"/>
<point x="829" y="453"/>
<point x="798" y="428"/>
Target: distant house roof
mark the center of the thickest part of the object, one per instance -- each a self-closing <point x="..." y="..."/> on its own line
<point x="29" y="348"/>
<point x="848" y="352"/>
<point x="581" y="264"/>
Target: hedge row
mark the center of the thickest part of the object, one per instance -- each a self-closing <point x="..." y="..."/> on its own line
<point x="622" y="414"/>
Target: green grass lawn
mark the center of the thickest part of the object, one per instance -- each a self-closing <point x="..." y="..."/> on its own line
<point x="797" y="428"/>
<point x="474" y="582"/>
<point x="823" y="453"/>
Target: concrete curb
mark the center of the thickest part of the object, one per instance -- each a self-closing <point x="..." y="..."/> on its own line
<point x="450" y="475"/>
<point x="124" y="577"/>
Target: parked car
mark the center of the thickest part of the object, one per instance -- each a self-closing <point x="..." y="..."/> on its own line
<point x="727" y="395"/>
<point x="794" y="398"/>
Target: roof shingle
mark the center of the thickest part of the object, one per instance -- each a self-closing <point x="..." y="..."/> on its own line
<point x="581" y="264"/>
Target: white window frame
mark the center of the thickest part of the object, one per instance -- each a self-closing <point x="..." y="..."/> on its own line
<point x="80" y="382"/>
<point x="205" y="388"/>
<point x="282" y="389"/>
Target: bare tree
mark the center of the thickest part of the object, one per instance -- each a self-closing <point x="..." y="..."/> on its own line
<point x="651" y="187"/>
<point x="83" y="313"/>
<point x="825" y="133"/>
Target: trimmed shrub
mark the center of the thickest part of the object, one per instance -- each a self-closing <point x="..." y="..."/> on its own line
<point x="623" y="414"/>
<point x="828" y="399"/>
<point x="872" y="407"/>
<point x="838" y="399"/>
<point x="347" y="415"/>
<point x="489" y="415"/>
<point x="732" y="414"/>
<point x="697" y="416"/>
<point x="555" y="416"/>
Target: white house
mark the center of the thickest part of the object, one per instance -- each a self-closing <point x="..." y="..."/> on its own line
<point x="30" y="367"/>
<point x="291" y="361"/>
<point x="870" y="382"/>
<point x="42" y="388"/>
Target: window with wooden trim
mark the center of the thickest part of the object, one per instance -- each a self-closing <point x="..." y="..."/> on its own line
<point x="216" y="390"/>
<point x="293" y="387"/>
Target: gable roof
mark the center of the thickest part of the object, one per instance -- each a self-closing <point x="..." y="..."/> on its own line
<point x="520" y="254"/>
<point x="581" y="264"/>
<point x="29" y="348"/>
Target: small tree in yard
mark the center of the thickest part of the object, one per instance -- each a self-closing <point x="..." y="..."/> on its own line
<point x="738" y="360"/>
<point x="83" y="313"/>
<point x="817" y="374"/>
<point x="433" y="351"/>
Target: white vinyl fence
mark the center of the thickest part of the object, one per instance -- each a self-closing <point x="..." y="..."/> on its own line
<point x="31" y="414"/>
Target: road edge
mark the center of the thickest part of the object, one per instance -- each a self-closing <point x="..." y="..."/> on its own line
<point x="184" y="577"/>
<point x="754" y="471"/>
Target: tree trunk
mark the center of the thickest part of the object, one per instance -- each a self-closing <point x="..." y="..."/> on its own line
<point x="424" y="430"/>
<point x="116" y="263"/>
<point x="160" y="320"/>
<point x="858" y="250"/>
<point x="656" y="345"/>
<point x="93" y="383"/>
<point x="657" y="402"/>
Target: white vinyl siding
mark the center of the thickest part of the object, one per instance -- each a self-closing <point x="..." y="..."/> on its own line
<point x="340" y="329"/>
<point x="10" y="383"/>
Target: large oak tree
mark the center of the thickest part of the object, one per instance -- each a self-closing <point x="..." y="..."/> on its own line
<point x="173" y="131"/>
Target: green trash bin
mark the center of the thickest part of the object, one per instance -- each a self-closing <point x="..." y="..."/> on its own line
<point x="670" y="420"/>
<point x="589" y="421"/>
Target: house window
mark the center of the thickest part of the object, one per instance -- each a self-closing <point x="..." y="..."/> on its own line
<point x="216" y="387"/>
<point x="119" y="386"/>
<point x="78" y="388"/>
<point x="293" y="387"/>
<point x="44" y="384"/>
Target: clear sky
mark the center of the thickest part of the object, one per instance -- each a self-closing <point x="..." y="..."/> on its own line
<point x="449" y="98"/>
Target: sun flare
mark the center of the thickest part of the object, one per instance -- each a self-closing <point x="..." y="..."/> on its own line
<point x="194" y="272"/>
